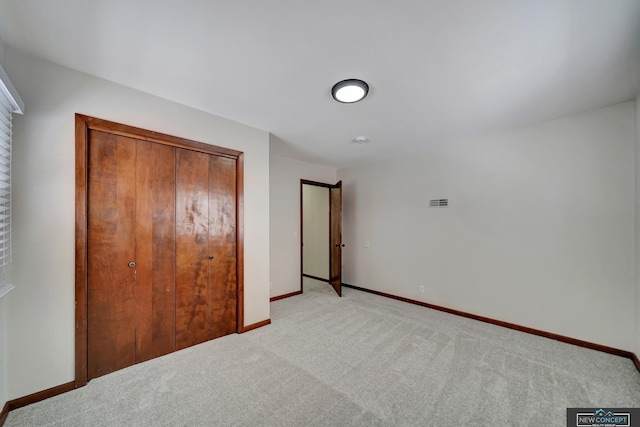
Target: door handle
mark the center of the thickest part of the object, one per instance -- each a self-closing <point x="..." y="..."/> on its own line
<point x="340" y="245"/>
<point x="132" y="264"/>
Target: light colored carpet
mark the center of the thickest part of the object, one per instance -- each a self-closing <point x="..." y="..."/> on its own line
<point x="360" y="360"/>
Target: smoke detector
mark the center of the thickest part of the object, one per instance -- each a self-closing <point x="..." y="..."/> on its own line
<point x="360" y="140"/>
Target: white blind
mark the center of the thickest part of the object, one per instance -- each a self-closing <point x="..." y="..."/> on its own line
<point x="10" y="103"/>
<point x="5" y="190"/>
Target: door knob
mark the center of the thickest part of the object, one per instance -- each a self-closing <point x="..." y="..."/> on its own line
<point x="132" y="264"/>
<point x="340" y="244"/>
<point x="210" y="256"/>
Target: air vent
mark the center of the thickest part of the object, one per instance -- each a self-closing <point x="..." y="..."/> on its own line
<point x="439" y="203"/>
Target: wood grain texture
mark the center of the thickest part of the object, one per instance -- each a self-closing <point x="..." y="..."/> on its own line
<point x="279" y="297"/>
<point x="222" y="247"/>
<point x="81" y="251"/>
<point x="301" y="223"/>
<point x="240" y="240"/>
<point x="335" y="241"/>
<point x="4" y="413"/>
<point x="557" y="337"/>
<point x="111" y="246"/>
<point x="316" y="183"/>
<point x="151" y="136"/>
<point x="192" y="248"/>
<point x="255" y="326"/>
<point x="41" y="395"/>
<point x="155" y="250"/>
<point x="85" y="124"/>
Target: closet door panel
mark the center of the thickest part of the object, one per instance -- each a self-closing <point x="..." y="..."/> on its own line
<point x="222" y="246"/>
<point x="192" y="235"/>
<point x="111" y="246"/>
<point x="156" y="250"/>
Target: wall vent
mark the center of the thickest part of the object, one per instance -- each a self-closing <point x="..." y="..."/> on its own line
<point x="439" y="203"/>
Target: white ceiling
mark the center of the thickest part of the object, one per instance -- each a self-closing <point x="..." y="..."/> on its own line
<point x="437" y="69"/>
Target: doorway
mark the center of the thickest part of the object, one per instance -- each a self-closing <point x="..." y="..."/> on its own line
<point x="321" y="233"/>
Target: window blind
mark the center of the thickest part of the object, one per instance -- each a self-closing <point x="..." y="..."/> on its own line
<point x="6" y="110"/>
<point x="10" y="103"/>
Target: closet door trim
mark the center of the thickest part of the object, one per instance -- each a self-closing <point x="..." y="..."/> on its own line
<point x="82" y="126"/>
<point x="151" y="136"/>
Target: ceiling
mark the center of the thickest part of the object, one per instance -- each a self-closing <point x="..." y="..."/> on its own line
<point x="438" y="69"/>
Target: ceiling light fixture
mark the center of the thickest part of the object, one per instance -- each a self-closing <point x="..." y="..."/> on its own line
<point x="350" y="91"/>
<point x="360" y="140"/>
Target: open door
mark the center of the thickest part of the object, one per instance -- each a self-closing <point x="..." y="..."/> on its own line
<point x="335" y="244"/>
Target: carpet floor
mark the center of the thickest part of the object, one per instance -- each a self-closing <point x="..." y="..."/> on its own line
<point x="360" y="360"/>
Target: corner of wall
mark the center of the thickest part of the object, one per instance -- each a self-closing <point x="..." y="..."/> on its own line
<point x="637" y="224"/>
<point x="284" y="204"/>
<point x="55" y="94"/>
<point x="3" y="353"/>
<point x="463" y="255"/>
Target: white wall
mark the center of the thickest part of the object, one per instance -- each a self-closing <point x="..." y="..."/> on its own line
<point x="41" y="308"/>
<point x="539" y="231"/>
<point x="285" y="218"/>
<point x="2" y="54"/>
<point x="315" y="231"/>
<point x="637" y="226"/>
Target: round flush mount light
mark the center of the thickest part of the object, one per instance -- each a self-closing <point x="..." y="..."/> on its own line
<point x="350" y="91"/>
<point x="360" y="140"/>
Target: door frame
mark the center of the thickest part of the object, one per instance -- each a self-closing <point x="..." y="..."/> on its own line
<point x="82" y="126"/>
<point x="329" y="187"/>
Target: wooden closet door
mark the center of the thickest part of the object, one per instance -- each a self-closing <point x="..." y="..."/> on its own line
<point x="192" y="246"/>
<point x="155" y="250"/>
<point x="222" y="246"/>
<point x="110" y="248"/>
<point x="157" y="219"/>
<point x="131" y="220"/>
